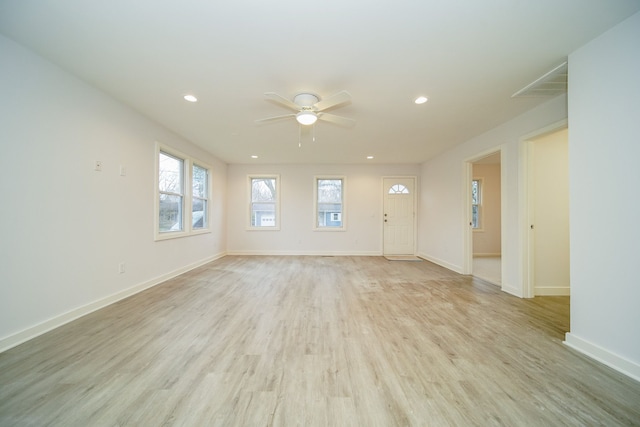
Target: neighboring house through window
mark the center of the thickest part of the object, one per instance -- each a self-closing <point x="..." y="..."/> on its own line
<point x="264" y="202"/>
<point x="329" y="203"/>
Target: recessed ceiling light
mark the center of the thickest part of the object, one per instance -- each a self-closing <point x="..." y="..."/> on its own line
<point x="190" y="98"/>
<point x="254" y="157"/>
<point x="421" y="100"/>
<point x="369" y="157"/>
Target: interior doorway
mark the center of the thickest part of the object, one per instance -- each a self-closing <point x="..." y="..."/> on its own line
<point x="399" y="201"/>
<point x="548" y="213"/>
<point x="486" y="218"/>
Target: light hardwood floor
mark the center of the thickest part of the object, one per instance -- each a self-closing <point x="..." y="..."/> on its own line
<point x="315" y="341"/>
<point x="488" y="268"/>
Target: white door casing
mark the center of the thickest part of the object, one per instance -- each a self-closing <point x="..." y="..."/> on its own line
<point x="549" y="214"/>
<point x="399" y="216"/>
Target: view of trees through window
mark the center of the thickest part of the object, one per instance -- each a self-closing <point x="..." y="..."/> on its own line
<point x="263" y="202"/>
<point x="475" y="203"/>
<point x="170" y="182"/>
<point x="183" y="195"/>
<point x="199" y="201"/>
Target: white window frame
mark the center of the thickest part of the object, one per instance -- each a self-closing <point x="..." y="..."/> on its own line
<point x="276" y="226"/>
<point x="187" y="195"/>
<point x="316" y="226"/>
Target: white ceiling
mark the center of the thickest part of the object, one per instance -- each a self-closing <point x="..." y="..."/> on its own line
<point x="468" y="57"/>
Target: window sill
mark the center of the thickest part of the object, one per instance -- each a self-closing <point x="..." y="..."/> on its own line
<point x="263" y="229"/>
<point x="179" y="234"/>
<point x="329" y="229"/>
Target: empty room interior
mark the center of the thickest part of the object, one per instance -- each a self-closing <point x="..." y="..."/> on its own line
<point x="319" y="213"/>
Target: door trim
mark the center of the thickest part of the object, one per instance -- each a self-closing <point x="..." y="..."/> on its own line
<point x="526" y="205"/>
<point x="415" y="208"/>
<point x="467" y="267"/>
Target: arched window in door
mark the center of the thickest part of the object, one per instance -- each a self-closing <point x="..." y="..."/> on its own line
<point x="398" y="189"/>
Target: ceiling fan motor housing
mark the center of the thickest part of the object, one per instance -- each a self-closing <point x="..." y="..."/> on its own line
<point x="306" y="100"/>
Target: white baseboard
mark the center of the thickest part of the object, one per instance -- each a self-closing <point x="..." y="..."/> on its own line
<point x="602" y="355"/>
<point x="516" y="292"/>
<point x="62" y="319"/>
<point x="305" y="253"/>
<point x="492" y="255"/>
<point x="441" y="263"/>
<point x="552" y="291"/>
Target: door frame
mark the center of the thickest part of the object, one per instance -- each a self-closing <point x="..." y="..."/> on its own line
<point x="526" y="203"/>
<point x="415" y="208"/>
<point x="467" y="267"/>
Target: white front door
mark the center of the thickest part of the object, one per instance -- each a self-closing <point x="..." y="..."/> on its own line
<point x="399" y="215"/>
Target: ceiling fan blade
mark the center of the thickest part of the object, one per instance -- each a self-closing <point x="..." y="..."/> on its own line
<point x="333" y="100"/>
<point x="282" y="100"/>
<point x="274" y="118"/>
<point x="339" y="120"/>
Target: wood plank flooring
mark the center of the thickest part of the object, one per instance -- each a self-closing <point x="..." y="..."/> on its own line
<point x="315" y="341"/>
<point x="488" y="268"/>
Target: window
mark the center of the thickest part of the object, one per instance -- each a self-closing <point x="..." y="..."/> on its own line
<point x="476" y="203"/>
<point x="329" y="203"/>
<point x="264" y="202"/>
<point x="182" y="204"/>
<point x="398" y="189"/>
<point x="199" y="200"/>
<point x="171" y="186"/>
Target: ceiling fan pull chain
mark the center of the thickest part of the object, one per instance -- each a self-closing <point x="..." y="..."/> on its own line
<point x="299" y="136"/>
<point x="313" y="133"/>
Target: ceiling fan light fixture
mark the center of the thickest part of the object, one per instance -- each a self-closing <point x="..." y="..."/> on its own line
<point x="306" y="117"/>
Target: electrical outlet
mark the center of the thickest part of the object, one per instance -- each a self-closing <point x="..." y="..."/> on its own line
<point x="123" y="170"/>
<point x="121" y="267"/>
<point x="98" y="167"/>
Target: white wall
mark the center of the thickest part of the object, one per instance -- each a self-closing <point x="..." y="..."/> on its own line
<point x="442" y="208"/>
<point x="64" y="228"/>
<point x="486" y="240"/>
<point x="604" y="149"/>
<point x="363" y="210"/>
<point x="550" y="196"/>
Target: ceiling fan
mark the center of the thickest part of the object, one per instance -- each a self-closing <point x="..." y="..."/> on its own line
<point x="309" y="108"/>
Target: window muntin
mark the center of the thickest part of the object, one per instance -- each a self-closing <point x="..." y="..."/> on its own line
<point x="329" y="203"/>
<point x="182" y="200"/>
<point x="171" y="188"/>
<point x="476" y="203"/>
<point x="264" y="202"/>
<point x="200" y="197"/>
<point x="398" y="189"/>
